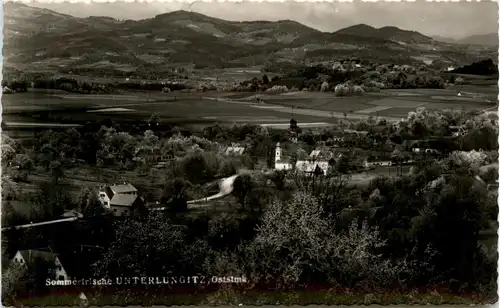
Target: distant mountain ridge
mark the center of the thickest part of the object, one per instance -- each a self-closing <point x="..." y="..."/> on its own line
<point x="490" y="39"/>
<point x="98" y="43"/>
<point x="392" y="33"/>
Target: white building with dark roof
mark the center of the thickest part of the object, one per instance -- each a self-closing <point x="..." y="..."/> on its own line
<point x="121" y="199"/>
<point x="27" y="258"/>
<point x="309" y="166"/>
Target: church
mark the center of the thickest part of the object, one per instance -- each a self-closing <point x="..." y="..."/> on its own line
<point x="309" y="166"/>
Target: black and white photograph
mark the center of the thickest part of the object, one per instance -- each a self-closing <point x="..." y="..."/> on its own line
<point x="249" y="153"/>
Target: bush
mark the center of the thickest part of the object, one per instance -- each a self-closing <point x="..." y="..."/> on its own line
<point x="341" y="90"/>
<point x="347" y="89"/>
<point x="459" y="80"/>
<point x="357" y="90"/>
<point x="278" y="89"/>
<point x="325" y="86"/>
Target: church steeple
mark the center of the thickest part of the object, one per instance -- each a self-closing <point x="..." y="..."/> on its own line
<point x="277" y="155"/>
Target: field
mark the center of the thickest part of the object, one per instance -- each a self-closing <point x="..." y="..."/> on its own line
<point x="312" y="109"/>
<point x="390" y="103"/>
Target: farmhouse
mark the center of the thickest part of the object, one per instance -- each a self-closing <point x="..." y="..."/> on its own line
<point x="28" y="259"/>
<point x="235" y="149"/>
<point x="311" y="167"/>
<point x="322" y="154"/>
<point x="369" y="164"/>
<point x="458" y="130"/>
<point x="122" y="199"/>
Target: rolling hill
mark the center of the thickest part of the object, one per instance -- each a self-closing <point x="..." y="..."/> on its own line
<point x="181" y="38"/>
<point x="388" y="33"/>
<point x="488" y="40"/>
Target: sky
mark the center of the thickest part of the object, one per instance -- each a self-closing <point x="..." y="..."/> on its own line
<point x="448" y="19"/>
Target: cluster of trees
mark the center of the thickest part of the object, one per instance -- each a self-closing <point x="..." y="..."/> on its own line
<point x="351" y="78"/>
<point x="484" y="67"/>
<point x="89" y="87"/>
<point x="14" y="86"/>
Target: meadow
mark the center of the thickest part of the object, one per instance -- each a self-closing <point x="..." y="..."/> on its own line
<point x="183" y="108"/>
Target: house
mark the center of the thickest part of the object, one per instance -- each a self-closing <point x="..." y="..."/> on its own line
<point x="337" y="138"/>
<point x="458" y="130"/>
<point x="235" y="149"/>
<point x="422" y="147"/>
<point x="311" y="167"/>
<point x="121" y="199"/>
<point x="369" y="164"/>
<point x="424" y="150"/>
<point x="281" y="162"/>
<point x="29" y="257"/>
<point x="322" y="154"/>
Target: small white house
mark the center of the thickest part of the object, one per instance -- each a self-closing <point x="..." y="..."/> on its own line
<point x="235" y="149"/>
<point x="377" y="163"/>
<point x="423" y="150"/>
<point x="310" y="166"/>
<point x="120" y="199"/>
<point x="27" y="257"/>
<point x="106" y="193"/>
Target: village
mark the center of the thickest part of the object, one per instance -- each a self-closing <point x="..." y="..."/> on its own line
<point x="361" y="155"/>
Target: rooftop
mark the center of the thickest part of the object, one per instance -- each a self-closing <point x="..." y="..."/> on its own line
<point x="123" y="200"/>
<point x="235" y="150"/>
<point x="310" y="166"/>
<point x="123" y="188"/>
<point x="31" y="255"/>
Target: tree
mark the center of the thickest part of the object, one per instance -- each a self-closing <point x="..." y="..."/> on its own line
<point x="151" y="247"/>
<point x="174" y="195"/>
<point x="242" y="187"/>
<point x="455" y="215"/>
<point x="25" y="165"/>
<point x="13" y="281"/>
<point x="154" y="120"/>
<point x="116" y="147"/>
<point x="265" y="79"/>
<point x="8" y="154"/>
<point x="10" y="217"/>
<point x="324" y="86"/>
<point x="10" y="189"/>
<point x="223" y="231"/>
<point x="291" y="244"/>
<point x="149" y="139"/>
<point x="56" y="171"/>
<point x="356" y="259"/>
<point x="88" y="203"/>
